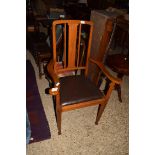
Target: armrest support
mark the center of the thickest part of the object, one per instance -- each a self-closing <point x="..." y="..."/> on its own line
<point x="53" y="75"/>
<point x="106" y="72"/>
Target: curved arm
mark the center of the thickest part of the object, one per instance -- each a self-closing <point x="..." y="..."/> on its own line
<point x="53" y="75"/>
<point x="106" y="72"/>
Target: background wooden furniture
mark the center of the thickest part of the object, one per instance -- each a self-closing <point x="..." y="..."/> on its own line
<point x="37" y="42"/>
<point x="39" y="48"/>
<point x="121" y="35"/>
<point x="76" y="91"/>
<point x="43" y="55"/>
<point x="100" y="19"/>
<point x="103" y="26"/>
<point x="119" y="61"/>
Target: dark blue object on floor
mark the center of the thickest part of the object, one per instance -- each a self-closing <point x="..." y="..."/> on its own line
<point x="36" y="114"/>
<point x="28" y="129"/>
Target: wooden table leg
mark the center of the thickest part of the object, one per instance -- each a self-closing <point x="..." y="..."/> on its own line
<point x="39" y="66"/>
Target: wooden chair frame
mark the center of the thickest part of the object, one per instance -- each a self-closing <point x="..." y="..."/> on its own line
<point x="71" y="65"/>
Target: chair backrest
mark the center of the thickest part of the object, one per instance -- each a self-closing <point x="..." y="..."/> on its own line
<point x="75" y="50"/>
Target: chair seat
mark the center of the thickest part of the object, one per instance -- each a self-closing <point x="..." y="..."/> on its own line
<point x="75" y="89"/>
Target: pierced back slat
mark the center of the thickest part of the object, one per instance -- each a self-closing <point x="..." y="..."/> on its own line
<point x="72" y="40"/>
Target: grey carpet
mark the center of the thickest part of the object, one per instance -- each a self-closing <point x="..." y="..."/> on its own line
<point x="80" y="136"/>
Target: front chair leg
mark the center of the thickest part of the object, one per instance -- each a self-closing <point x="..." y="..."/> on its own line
<point x="102" y="106"/>
<point x="59" y="113"/>
<point x="99" y="113"/>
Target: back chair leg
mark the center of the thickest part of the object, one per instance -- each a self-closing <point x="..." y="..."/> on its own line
<point x="118" y="88"/>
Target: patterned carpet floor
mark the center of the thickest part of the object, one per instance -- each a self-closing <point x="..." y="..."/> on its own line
<point x="80" y="135"/>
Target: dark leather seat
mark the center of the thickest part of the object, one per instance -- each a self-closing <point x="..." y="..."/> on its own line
<point x="76" y="89"/>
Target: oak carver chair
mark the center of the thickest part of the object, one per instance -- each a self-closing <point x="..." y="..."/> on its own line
<point x="73" y="89"/>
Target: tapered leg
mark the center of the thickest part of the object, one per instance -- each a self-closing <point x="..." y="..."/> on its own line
<point x="102" y="106"/>
<point x="59" y="113"/>
<point x="99" y="113"/>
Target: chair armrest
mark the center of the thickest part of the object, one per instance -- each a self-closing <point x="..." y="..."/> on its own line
<point x="53" y="75"/>
<point x="106" y="72"/>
